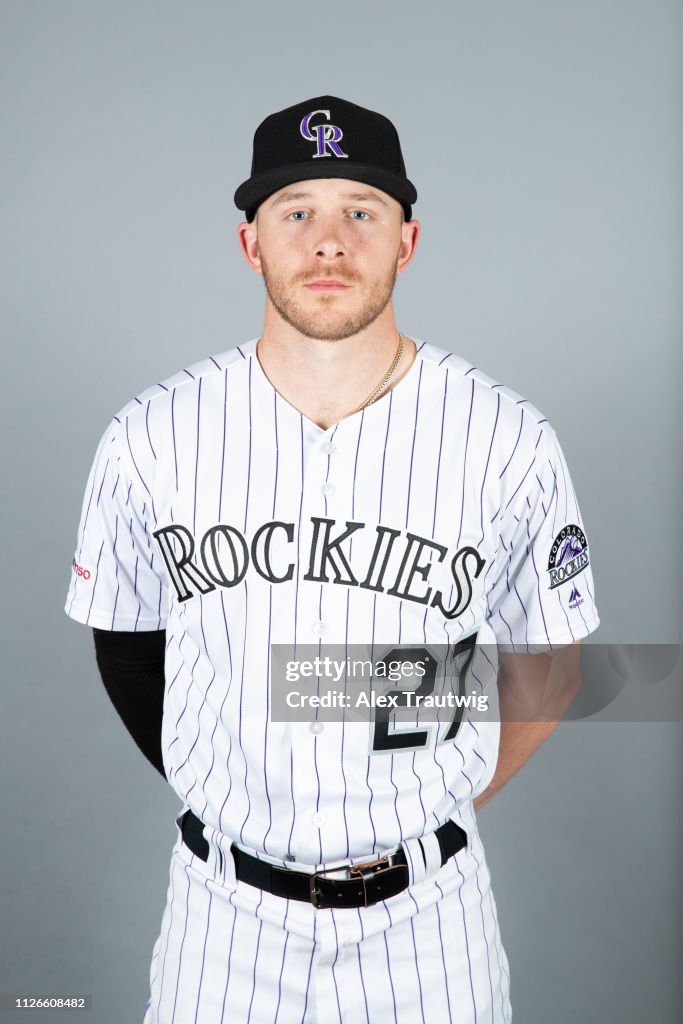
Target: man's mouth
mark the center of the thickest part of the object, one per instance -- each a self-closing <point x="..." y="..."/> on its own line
<point x="329" y="284"/>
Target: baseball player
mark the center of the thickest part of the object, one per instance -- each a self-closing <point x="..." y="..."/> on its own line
<point x="332" y="481"/>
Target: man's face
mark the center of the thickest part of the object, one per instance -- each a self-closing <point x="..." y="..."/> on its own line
<point x="329" y="250"/>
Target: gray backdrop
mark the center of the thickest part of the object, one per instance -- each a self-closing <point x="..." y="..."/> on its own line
<point x="545" y="143"/>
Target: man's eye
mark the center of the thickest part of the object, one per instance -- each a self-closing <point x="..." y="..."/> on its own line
<point x="298" y="214"/>
<point x="361" y="214"/>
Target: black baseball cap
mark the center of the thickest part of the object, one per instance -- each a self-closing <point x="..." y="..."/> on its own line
<point x="325" y="137"/>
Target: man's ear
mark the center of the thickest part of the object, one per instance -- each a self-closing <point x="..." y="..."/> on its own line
<point x="247" y="235"/>
<point x="410" y="233"/>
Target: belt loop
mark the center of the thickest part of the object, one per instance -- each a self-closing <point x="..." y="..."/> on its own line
<point x="432" y="852"/>
<point x="417" y="866"/>
<point x="220" y="862"/>
<point x="423" y="855"/>
<point x="209" y="846"/>
<point x="191" y="826"/>
<point x="179" y="818"/>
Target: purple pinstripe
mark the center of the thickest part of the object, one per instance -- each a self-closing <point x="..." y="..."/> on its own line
<point x="204" y="699"/>
<point x="483" y="923"/>
<point x="196" y="457"/>
<point x="232" y="939"/>
<point x="315" y="738"/>
<point x="223" y="722"/>
<point x="282" y="965"/>
<point x="258" y="944"/>
<point x="182" y="944"/>
<point x="267" y="717"/>
<point x="334" y="962"/>
<point x="367" y="770"/>
<point x="412" y="447"/>
<point x="246" y="614"/>
<point x="225" y="427"/>
<point x="310" y="968"/>
<point x="97" y="571"/>
<point x="279" y="981"/>
<point x="362" y="984"/>
<point x="521" y="424"/>
<point x="526" y="617"/>
<point x="467" y="941"/>
<point x="149" y="436"/>
<point x="206" y="935"/>
<point x="175" y="450"/>
<point x="486" y="469"/>
<point x="492" y="908"/>
<point x="443" y="956"/>
<point x="531" y="464"/>
<point x="379" y="515"/>
<point x="116" y="595"/>
<point x="104" y="477"/>
<point x="391" y="980"/>
<point x="438" y="461"/>
<point x="137" y="470"/>
<point x="168" y="934"/>
<point x="410" y="479"/>
<point x="240" y="715"/>
<point x="296" y="600"/>
<point x="417" y="965"/>
<point x="464" y="464"/>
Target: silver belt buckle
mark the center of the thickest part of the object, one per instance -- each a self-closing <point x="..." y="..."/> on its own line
<point x="370" y="868"/>
<point x="355" y="871"/>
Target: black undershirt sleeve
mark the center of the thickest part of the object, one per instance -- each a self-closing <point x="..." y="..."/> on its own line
<point x="132" y="670"/>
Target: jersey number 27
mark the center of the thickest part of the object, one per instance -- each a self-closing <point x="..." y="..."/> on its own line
<point x="387" y="737"/>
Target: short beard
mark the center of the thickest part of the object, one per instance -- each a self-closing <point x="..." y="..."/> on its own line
<point x="280" y="293"/>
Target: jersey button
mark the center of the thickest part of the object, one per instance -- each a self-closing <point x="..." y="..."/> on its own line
<point x="329" y="448"/>
<point x="319" y="628"/>
<point x="316" y="727"/>
<point x="318" y="819"/>
<point x="327" y="488"/>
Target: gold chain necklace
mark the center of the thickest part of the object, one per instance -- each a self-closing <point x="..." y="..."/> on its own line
<point x="375" y="393"/>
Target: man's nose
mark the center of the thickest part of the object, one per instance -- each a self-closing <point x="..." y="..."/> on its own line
<point x="329" y="249"/>
<point x="329" y="241"/>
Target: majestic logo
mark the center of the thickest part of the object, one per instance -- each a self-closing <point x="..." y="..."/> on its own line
<point x="575" y="598"/>
<point x="223" y="555"/>
<point x="324" y="135"/>
<point x="568" y="556"/>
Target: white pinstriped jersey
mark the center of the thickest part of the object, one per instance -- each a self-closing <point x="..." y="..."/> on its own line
<point x="215" y="510"/>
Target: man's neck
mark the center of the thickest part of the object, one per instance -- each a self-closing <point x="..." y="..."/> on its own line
<point x="329" y="380"/>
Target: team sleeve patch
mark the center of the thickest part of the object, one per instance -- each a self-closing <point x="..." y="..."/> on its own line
<point x="568" y="555"/>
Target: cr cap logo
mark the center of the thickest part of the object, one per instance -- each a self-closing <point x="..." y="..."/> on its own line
<point x="324" y="135"/>
<point x="568" y="555"/>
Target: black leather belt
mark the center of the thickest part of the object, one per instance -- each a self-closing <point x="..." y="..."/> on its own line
<point x="368" y="883"/>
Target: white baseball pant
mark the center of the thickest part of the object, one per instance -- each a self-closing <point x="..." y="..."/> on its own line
<point x="229" y="953"/>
